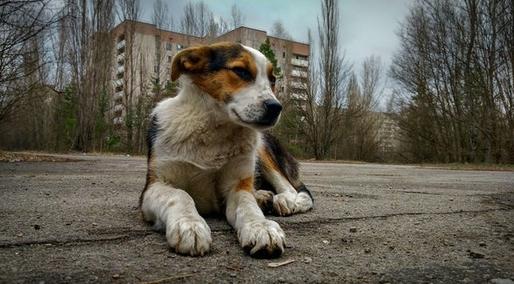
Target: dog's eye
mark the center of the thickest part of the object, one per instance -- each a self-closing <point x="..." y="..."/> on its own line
<point x="242" y="73"/>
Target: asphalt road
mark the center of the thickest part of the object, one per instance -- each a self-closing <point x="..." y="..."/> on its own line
<point x="77" y="221"/>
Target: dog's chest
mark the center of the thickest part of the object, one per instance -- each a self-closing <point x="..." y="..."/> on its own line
<point x="205" y="143"/>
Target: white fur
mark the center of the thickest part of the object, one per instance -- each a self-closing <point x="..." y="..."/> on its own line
<point x="201" y="154"/>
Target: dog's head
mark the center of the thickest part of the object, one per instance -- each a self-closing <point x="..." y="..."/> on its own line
<point x="240" y="78"/>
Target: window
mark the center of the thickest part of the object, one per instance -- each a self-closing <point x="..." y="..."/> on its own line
<point x="168" y="46"/>
<point x="179" y="46"/>
<point x="284" y="54"/>
<point x="155" y="68"/>
<point x="169" y="59"/>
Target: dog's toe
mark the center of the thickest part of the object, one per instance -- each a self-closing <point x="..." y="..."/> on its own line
<point x="262" y="239"/>
<point x="190" y="236"/>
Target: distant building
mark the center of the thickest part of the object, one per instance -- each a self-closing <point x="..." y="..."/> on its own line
<point x="153" y="50"/>
<point x="388" y="135"/>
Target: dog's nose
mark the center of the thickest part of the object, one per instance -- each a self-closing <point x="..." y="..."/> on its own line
<point x="272" y="109"/>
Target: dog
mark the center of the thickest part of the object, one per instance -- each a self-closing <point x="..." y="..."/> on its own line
<point x="208" y="153"/>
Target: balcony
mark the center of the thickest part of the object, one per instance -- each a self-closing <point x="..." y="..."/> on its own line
<point x="120" y="44"/>
<point x="118" y="120"/>
<point x="297" y="85"/>
<point x="118" y="95"/>
<point x="118" y="83"/>
<point x="298" y="73"/>
<point x="300" y="62"/>
<point x="121" y="58"/>
<point x="120" y="70"/>
<point x="118" y="108"/>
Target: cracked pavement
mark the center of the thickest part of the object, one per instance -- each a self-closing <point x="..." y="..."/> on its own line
<point x="77" y="221"/>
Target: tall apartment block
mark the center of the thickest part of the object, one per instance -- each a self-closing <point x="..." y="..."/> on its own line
<point x="144" y="54"/>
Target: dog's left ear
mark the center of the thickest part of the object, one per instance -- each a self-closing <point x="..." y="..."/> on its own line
<point x="189" y="61"/>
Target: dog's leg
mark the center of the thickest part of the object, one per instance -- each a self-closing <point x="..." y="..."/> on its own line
<point x="186" y="231"/>
<point x="257" y="235"/>
<point x="288" y="200"/>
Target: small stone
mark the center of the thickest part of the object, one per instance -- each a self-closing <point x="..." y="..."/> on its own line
<point x="233" y="274"/>
<point x="115" y="276"/>
<point x="307" y="259"/>
<point x="451" y="199"/>
<point x="367" y="250"/>
<point x="20" y="235"/>
<point x="68" y="278"/>
<point x="353" y="229"/>
<point x="482" y="244"/>
<point x="95" y="224"/>
<point x="37" y="227"/>
<point x="474" y="254"/>
<point x="326" y="242"/>
<point x="391" y="247"/>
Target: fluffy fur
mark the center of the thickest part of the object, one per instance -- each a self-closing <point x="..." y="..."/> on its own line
<point x="207" y="154"/>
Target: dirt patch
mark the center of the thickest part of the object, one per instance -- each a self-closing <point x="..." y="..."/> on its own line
<point x="13" y="157"/>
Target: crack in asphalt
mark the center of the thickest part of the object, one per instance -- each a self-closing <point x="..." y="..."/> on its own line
<point x="128" y="235"/>
<point x="385" y="216"/>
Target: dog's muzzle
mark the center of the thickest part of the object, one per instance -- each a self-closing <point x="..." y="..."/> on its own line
<point x="272" y="109"/>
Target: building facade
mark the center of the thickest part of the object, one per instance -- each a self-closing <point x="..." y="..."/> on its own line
<point x="144" y="53"/>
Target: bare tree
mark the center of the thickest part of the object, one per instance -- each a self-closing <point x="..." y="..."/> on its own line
<point x="332" y="71"/>
<point x="237" y="17"/>
<point x="278" y="30"/>
<point x="362" y="121"/>
<point x="160" y="16"/>
<point x="455" y="73"/>
<point x="196" y="19"/>
<point x="21" y="26"/>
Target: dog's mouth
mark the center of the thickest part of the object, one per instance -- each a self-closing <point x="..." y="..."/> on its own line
<point x="254" y="124"/>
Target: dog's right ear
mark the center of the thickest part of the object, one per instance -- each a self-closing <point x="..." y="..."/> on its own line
<point x="189" y="61"/>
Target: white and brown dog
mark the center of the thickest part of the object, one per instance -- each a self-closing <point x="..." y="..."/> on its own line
<point x="207" y="154"/>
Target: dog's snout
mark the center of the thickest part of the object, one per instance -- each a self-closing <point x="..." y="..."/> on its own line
<point x="272" y="109"/>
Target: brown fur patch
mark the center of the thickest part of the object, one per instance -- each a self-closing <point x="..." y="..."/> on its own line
<point x="209" y="68"/>
<point x="220" y="85"/>
<point x="267" y="160"/>
<point x="245" y="184"/>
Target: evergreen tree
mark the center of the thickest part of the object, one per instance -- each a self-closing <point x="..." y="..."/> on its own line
<point x="265" y="48"/>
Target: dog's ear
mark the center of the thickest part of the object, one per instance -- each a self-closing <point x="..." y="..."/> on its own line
<point x="189" y="61"/>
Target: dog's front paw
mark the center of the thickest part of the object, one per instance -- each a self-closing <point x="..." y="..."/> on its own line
<point x="288" y="203"/>
<point x="189" y="235"/>
<point x="262" y="238"/>
<point x="264" y="200"/>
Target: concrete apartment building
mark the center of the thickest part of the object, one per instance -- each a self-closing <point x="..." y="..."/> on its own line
<point x="144" y="54"/>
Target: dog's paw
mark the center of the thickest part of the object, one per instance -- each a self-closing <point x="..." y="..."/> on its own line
<point x="262" y="238"/>
<point x="189" y="235"/>
<point x="264" y="200"/>
<point x="288" y="203"/>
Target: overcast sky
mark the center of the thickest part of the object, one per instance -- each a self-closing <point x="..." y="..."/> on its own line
<point x="367" y="26"/>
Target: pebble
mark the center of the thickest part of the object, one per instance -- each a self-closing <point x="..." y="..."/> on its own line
<point x="20" y="235"/>
<point x="37" y="227"/>
<point x="474" y="254"/>
<point x="353" y="229"/>
<point x="325" y="242"/>
<point x="367" y="250"/>
<point x="482" y="244"/>
<point x="307" y="259"/>
<point x="233" y="274"/>
<point x="115" y="276"/>
<point x="95" y="224"/>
